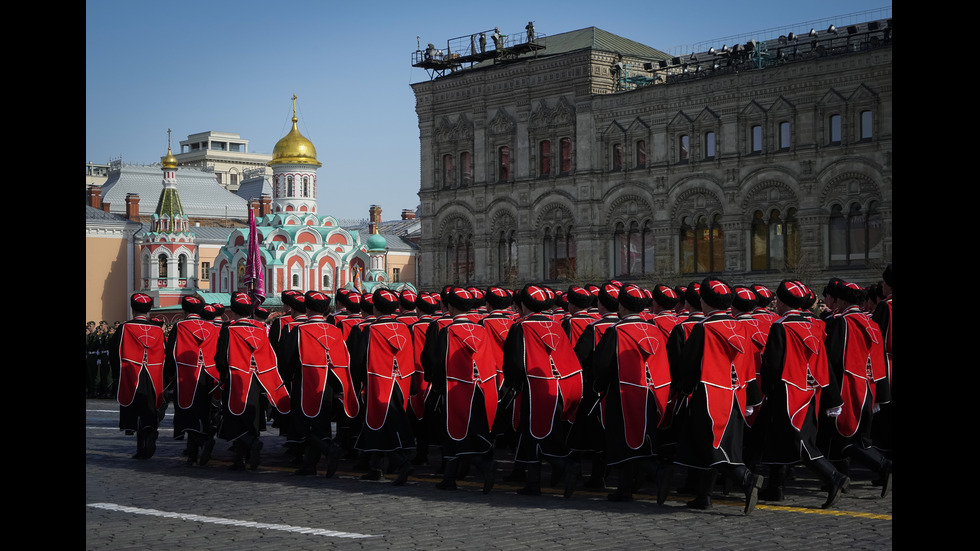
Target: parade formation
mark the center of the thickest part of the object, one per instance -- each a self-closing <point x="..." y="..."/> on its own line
<point x="734" y="384"/>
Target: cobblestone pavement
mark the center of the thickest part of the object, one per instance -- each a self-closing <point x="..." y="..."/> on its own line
<point x="162" y="503"/>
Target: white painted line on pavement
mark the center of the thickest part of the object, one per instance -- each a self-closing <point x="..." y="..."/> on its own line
<point x="230" y="522"/>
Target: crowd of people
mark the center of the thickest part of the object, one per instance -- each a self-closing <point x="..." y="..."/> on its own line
<point x="740" y="381"/>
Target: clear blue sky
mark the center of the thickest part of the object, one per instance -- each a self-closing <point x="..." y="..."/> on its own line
<point x="232" y="66"/>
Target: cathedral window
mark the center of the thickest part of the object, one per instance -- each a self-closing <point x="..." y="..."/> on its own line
<point x="289" y="186"/>
<point x="617" y="156"/>
<point x="182" y="266"/>
<point x="684" y="144"/>
<point x="162" y="265"/>
<point x="306" y="186"/>
<point x="709" y="145"/>
<point x="641" y="153"/>
<point x="756" y="140"/>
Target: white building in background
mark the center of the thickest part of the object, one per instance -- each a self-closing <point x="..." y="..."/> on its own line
<point x="224" y="154"/>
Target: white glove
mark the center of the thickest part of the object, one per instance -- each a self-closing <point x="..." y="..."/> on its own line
<point x="876" y="408"/>
<point x="834" y="412"/>
<point x="749" y="410"/>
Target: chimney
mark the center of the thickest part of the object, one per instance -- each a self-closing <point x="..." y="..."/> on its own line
<point x="133" y="207"/>
<point x="253" y="205"/>
<point x="374" y="219"/>
<point x="95" y="196"/>
<point x="408" y="214"/>
<point x="265" y="205"/>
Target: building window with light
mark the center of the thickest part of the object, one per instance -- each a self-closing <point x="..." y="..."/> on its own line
<point x="709" y="145"/>
<point x="702" y="245"/>
<point x="684" y="144"/>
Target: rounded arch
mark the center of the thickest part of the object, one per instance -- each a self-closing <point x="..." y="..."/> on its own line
<point x="626" y="203"/>
<point x="695" y="197"/>
<point x="553" y="213"/>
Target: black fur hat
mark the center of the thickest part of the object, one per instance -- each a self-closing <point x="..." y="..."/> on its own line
<point x="745" y="299"/>
<point x="317" y="302"/>
<point x="792" y="293"/>
<point x="716" y="293"/>
<point x="664" y="296"/>
<point x="141" y="303"/>
<point x="192" y="305"/>
<point x="633" y="298"/>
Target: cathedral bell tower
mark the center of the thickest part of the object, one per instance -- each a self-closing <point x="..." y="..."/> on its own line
<point x="168" y="252"/>
<point x="294" y="167"/>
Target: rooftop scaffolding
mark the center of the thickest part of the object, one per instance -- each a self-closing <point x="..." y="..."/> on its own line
<point x="474" y="48"/>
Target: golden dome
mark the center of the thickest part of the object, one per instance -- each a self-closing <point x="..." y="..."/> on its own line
<point x="168" y="161"/>
<point x="294" y="148"/>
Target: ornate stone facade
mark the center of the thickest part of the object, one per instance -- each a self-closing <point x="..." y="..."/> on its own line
<point x="547" y="169"/>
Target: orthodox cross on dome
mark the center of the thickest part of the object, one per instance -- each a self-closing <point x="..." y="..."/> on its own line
<point x="294" y="107"/>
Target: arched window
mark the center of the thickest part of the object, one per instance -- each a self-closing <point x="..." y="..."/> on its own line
<point x="295" y="282"/>
<point x="835" y="129"/>
<point x="641" y="153"/>
<point x="162" y="265"/>
<point x="784" y="136"/>
<point x="634" y="249"/>
<point x="559" y="253"/>
<point x="460" y="259"/>
<point x="617" y="156"/>
<point x="775" y="242"/>
<point x="756" y="140"/>
<point x="856" y="236"/>
<point x="306" y="186"/>
<point x="465" y="168"/>
<point x="684" y="144"/>
<point x="702" y="246"/>
<point x="565" y="145"/>
<point x="326" y="281"/>
<point x="507" y="256"/>
<point x="866" y="131"/>
<point x="503" y="164"/>
<point x="448" y="172"/>
<point x="289" y="186"/>
<point x="544" y="158"/>
<point x="182" y="266"/>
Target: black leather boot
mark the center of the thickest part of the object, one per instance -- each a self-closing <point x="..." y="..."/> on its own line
<point x="448" y="481"/>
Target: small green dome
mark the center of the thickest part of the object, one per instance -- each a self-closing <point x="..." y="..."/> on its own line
<point x="376" y="242"/>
